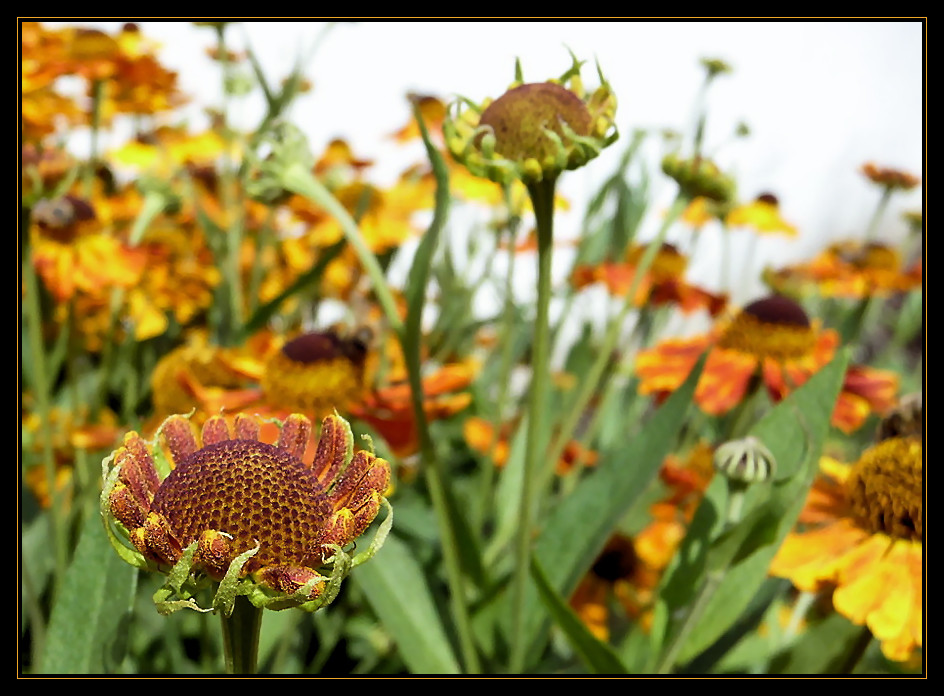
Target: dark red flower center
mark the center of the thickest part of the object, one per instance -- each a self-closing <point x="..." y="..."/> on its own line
<point x="777" y="309"/>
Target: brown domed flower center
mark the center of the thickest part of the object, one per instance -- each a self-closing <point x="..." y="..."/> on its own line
<point x="520" y="118"/>
<point x="884" y="489"/>
<point x="250" y="490"/>
<point x="774" y="327"/>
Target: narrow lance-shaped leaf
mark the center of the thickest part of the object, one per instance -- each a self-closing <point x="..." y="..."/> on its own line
<point x="580" y="526"/>
<point x="86" y="632"/>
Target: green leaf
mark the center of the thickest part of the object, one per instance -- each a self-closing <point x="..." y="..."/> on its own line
<point x="397" y="590"/>
<point x="599" y="657"/>
<point x="794" y="432"/>
<point x="823" y="648"/>
<point x="87" y="632"/>
<point x="580" y="525"/>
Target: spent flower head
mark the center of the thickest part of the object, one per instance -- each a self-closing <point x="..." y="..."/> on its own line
<point x="250" y="517"/>
<point x="534" y="131"/>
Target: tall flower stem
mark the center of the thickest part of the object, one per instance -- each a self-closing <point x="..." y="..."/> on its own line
<point x="95" y="118"/>
<point x="879" y="212"/>
<point x="40" y="385"/>
<point x="241" y="637"/>
<point x="542" y="199"/>
<point x="299" y="180"/>
<point x="589" y="385"/>
<point x="507" y="354"/>
<point x="232" y="204"/>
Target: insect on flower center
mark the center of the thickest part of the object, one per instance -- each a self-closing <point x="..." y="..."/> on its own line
<point x="316" y="373"/>
<point x="774" y="327"/>
<point x="884" y="488"/>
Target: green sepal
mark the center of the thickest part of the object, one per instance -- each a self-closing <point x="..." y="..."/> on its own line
<point x="129" y="555"/>
<point x="230" y="584"/>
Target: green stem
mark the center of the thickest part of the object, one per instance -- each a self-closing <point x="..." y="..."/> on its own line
<point x="232" y="205"/>
<point x="713" y="579"/>
<point x="877" y="215"/>
<point x="241" y="637"/>
<point x="507" y="343"/>
<point x="589" y="385"/>
<point x="542" y="200"/>
<point x="707" y="591"/>
<point x="800" y="608"/>
<point x="857" y="651"/>
<point x="40" y="384"/>
<point x="95" y="129"/>
<point x="410" y="335"/>
<point x="299" y="180"/>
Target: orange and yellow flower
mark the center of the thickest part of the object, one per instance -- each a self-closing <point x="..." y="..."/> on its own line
<point x="771" y="341"/>
<point x="72" y="255"/>
<point x="389" y="409"/>
<point x="849" y="269"/>
<point x="890" y="178"/>
<point x="620" y="572"/>
<point x="663" y="283"/>
<point x="862" y="536"/>
<point x="761" y="215"/>
<point x="630" y="567"/>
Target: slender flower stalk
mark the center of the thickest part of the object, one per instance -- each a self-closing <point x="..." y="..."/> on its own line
<point x="410" y="335"/>
<point x="241" y="637"/>
<point x="40" y="383"/>
<point x="589" y="385"/>
<point x="299" y="180"/>
<point x="542" y="199"/>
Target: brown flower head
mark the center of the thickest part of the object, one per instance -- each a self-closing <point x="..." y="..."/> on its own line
<point x="534" y="131"/>
<point x="239" y="510"/>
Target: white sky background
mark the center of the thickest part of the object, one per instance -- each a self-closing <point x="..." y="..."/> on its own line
<point x="821" y="99"/>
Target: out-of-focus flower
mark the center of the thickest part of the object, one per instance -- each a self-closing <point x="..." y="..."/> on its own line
<point x="893" y="179"/>
<point x="480" y="436"/>
<point x="73" y="256"/>
<point x="202" y="376"/>
<point x="179" y="282"/>
<point x="630" y="567"/>
<point x="663" y="282"/>
<point x="762" y="215"/>
<point x="42" y="170"/>
<point x="862" y="536"/>
<point x="70" y="431"/>
<point x="850" y="269"/>
<point x="618" y="571"/>
<point x="771" y="340"/>
<point x="534" y="131"/>
<point x="389" y="409"/>
<point x="700" y="178"/>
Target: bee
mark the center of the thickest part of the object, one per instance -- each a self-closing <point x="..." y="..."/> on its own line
<point x="61" y="214"/>
<point x="905" y="420"/>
